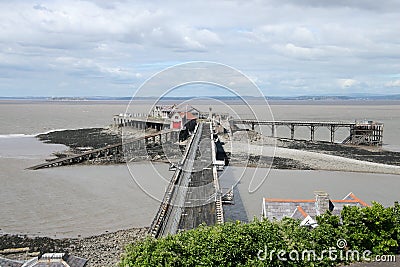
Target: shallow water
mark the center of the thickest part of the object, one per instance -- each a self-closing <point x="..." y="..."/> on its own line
<point x="69" y="201"/>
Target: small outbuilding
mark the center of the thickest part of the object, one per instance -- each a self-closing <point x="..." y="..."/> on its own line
<point x="180" y="119"/>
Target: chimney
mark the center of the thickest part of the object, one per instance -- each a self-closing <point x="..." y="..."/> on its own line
<point x="321" y="202"/>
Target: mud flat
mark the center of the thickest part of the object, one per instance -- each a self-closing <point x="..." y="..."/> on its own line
<point x="303" y="155"/>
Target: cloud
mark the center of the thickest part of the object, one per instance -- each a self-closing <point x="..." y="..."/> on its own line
<point x="305" y="45"/>
<point x="346" y="83"/>
<point x="395" y="83"/>
<point x="292" y="50"/>
<point x="370" y="5"/>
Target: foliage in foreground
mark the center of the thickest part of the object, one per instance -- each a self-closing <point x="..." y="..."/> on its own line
<point x="374" y="228"/>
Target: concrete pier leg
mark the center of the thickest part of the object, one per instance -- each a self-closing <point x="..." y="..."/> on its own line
<point x="273" y="130"/>
<point x="252" y="126"/>
<point x="292" y="131"/>
<point x="333" y="134"/>
<point x="312" y="133"/>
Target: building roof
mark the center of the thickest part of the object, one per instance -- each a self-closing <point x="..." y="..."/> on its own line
<point x="275" y="208"/>
<point x="168" y="108"/>
<point x="47" y="260"/>
<point x="10" y="263"/>
<point x="189" y="116"/>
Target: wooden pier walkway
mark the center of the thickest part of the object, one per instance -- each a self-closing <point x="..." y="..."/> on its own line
<point x="193" y="196"/>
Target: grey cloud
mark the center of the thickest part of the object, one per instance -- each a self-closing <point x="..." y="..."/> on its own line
<point x="370" y="5"/>
<point x="315" y="43"/>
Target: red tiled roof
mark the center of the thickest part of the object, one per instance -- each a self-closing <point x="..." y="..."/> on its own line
<point x="300" y="209"/>
<point x="287" y="200"/>
<point x="278" y="208"/>
<point x="188" y="115"/>
<point x="353" y="199"/>
<point x="358" y="200"/>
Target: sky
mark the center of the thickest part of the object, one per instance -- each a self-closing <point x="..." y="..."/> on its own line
<point x="286" y="47"/>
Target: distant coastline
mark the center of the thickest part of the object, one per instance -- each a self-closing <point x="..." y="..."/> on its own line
<point x="358" y="97"/>
<point x="387" y="100"/>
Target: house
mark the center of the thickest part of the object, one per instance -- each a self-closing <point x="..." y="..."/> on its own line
<point x="307" y="209"/>
<point x="166" y="111"/>
<point x="162" y="111"/>
<point x="180" y="119"/>
<point x="48" y="260"/>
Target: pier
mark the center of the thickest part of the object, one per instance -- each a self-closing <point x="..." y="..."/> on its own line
<point x="136" y="144"/>
<point x="140" y="121"/>
<point x="368" y="133"/>
<point x="193" y="195"/>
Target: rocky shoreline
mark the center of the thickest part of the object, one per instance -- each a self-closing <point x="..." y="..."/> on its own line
<point x="82" y="140"/>
<point x="102" y="251"/>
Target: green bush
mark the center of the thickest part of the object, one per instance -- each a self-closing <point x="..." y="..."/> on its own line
<point x="372" y="228"/>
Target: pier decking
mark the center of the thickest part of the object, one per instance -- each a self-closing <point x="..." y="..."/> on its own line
<point x="193" y="195"/>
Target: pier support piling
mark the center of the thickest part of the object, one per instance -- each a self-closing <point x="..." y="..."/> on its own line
<point x="312" y="138"/>
<point x="333" y="129"/>
<point x="292" y="131"/>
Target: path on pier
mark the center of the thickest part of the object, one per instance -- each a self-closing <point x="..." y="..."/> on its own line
<point x="193" y="196"/>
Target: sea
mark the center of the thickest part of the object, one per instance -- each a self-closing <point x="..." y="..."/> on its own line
<point x="87" y="200"/>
